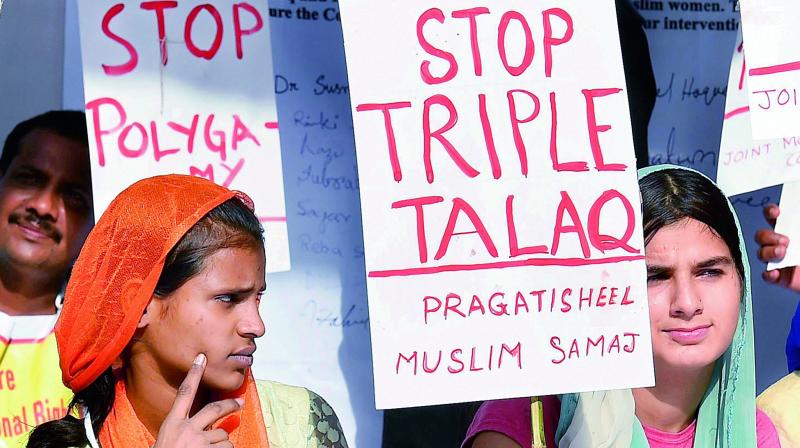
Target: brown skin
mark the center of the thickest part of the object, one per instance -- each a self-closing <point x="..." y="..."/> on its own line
<point x="773" y="248"/>
<point x="181" y="431"/>
<point x="214" y="313"/>
<point x="45" y="216"/>
<point x="491" y="439"/>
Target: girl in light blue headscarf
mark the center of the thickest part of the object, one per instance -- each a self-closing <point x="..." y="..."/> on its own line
<point x="701" y="326"/>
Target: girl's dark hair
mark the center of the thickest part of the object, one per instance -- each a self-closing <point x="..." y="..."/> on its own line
<point x="229" y="225"/>
<point x="672" y="195"/>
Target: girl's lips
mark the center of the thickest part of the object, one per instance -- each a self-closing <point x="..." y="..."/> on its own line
<point x="242" y="360"/>
<point x="689" y="336"/>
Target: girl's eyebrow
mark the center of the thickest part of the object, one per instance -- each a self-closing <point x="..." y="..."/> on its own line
<point x="715" y="261"/>
<point x="244" y="290"/>
<point x="656" y="269"/>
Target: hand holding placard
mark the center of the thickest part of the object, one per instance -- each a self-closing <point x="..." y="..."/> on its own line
<point x="787" y="225"/>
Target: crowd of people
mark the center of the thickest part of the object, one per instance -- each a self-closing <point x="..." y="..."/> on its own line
<point x="89" y="315"/>
<point x="88" y="322"/>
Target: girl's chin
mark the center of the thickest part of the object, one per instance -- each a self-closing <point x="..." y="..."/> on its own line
<point x="687" y="361"/>
<point x="227" y="382"/>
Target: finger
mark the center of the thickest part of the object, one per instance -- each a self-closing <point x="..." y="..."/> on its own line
<point x="771" y="276"/>
<point x="771" y="253"/>
<point x="215" y="411"/>
<point x="771" y="213"/>
<point x="768" y="237"/>
<point x="188" y="388"/>
<point x="216" y="435"/>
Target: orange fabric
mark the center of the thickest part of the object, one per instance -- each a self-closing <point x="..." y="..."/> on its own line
<point x="245" y="427"/>
<point x="112" y="282"/>
<point x="117" y="270"/>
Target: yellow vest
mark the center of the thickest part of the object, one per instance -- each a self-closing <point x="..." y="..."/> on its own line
<point x="781" y="402"/>
<point x="31" y="391"/>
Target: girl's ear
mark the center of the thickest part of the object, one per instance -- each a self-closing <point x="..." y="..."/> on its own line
<point x="152" y="309"/>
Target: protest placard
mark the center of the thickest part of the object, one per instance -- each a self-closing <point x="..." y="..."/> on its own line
<point x="746" y="164"/>
<point x="788" y="223"/>
<point x="181" y="87"/>
<point x="773" y="66"/>
<point x="501" y="211"/>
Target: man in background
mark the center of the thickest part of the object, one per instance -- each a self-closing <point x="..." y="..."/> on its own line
<point x="45" y="215"/>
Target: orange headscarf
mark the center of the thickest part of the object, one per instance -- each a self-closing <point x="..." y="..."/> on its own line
<point x="113" y="280"/>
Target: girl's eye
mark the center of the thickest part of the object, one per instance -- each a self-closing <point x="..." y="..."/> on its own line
<point x="657" y="276"/>
<point x="711" y="273"/>
<point x="225" y="298"/>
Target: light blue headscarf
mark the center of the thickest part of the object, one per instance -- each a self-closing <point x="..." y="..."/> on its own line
<point x="726" y="417"/>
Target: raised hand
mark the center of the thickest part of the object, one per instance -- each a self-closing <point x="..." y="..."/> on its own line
<point x="772" y="247"/>
<point x="180" y="431"/>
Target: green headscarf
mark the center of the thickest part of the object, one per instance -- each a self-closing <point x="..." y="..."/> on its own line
<point x="726" y="418"/>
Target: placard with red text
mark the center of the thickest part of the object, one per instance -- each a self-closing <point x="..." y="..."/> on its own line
<point x="182" y="87"/>
<point x="746" y="164"/>
<point x="773" y="65"/>
<point x="500" y="205"/>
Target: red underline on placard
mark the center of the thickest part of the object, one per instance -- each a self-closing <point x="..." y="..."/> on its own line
<point x="772" y="69"/>
<point x="571" y="262"/>
<point x="272" y="219"/>
<point x="737" y="111"/>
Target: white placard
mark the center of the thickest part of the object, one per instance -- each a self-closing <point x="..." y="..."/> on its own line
<point x="746" y="164"/>
<point x="500" y="204"/>
<point x="773" y="65"/>
<point x="788" y="224"/>
<point x="186" y="89"/>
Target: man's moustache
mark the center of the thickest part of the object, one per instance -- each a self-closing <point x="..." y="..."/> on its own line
<point x="43" y="224"/>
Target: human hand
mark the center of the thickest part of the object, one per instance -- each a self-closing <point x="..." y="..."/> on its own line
<point x="180" y="431"/>
<point x="772" y="247"/>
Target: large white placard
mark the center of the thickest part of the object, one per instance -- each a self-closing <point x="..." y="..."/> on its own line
<point x="746" y="164"/>
<point x="773" y="58"/>
<point x="182" y="87"/>
<point x="500" y="205"/>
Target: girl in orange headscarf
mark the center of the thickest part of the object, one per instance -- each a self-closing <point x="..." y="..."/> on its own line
<point x="157" y="333"/>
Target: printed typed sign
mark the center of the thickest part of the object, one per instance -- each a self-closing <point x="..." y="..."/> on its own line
<point x="500" y="205"/>
<point x="773" y="65"/>
<point x="182" y="87"/>
<point x="746" y="164"/>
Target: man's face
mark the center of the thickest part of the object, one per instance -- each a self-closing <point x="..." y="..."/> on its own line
<point x="45" y="203"/>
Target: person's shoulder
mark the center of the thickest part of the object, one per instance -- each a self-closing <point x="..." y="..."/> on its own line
<point x="284" y="391"/>
<point x="296" y="413"/>
<point x="780" y="411"/>
<point x="510" y="417"/>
